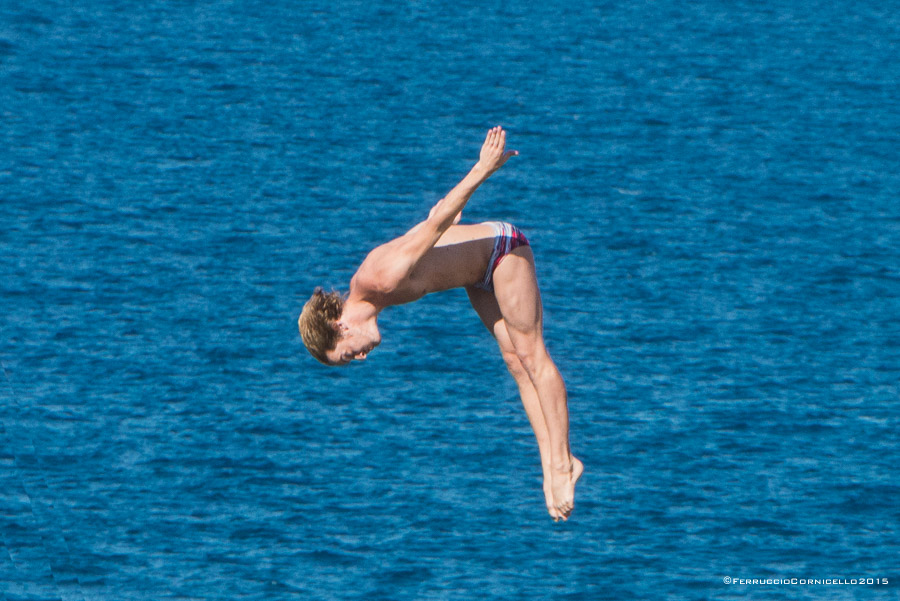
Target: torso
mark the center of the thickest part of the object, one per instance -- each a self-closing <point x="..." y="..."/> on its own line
<point x="459" y="259"/>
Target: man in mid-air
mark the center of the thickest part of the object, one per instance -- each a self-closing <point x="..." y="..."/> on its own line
<point x="494" y="263"/>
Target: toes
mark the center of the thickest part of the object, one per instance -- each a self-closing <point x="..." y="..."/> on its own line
<point x="564" y="509"/>
<point x="557" y="512"/>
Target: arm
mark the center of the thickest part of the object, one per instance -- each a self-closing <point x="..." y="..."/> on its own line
<point x="391" y="263"/>
<point x="493" y="155"/>
<point x="434" y="208"/>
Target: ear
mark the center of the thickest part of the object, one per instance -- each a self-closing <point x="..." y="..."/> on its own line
<point x="339" y="326"/>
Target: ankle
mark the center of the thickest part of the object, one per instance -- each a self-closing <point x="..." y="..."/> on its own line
<point x="563" y="467"/>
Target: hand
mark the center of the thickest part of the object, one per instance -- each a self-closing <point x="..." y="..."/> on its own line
<point x="493" y="152"/>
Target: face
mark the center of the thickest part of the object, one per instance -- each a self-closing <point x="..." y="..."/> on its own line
<point x="351" y="347"/>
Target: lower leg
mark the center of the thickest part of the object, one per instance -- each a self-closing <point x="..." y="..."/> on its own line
<point x="548" y="402"/>
<point x="565" y="469"/>
<point x="532" y="406"/>
<point x="553" y="400"/>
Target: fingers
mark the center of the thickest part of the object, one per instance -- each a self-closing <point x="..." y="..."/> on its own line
<point x="496" y="137"/>
<point x="494" y="153"/>
<point x="489" y="139"/>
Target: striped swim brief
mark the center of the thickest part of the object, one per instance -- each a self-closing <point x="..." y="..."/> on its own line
<point x="507" y="237"/>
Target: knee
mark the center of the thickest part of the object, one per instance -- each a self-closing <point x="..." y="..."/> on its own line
<point x="533" y="360"/>
<point x="514" y="365"/>
<point x="527" y="358"/>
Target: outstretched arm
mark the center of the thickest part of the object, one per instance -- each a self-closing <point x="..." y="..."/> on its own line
<point x="393" y="262"/>
<point x="493" y="155"/>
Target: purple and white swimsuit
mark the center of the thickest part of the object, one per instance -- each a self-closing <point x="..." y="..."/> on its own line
<point x="507" y="237"/>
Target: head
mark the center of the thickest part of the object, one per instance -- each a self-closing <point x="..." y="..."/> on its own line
<point x="330" y="336"/>
<point x="318" y="323"/>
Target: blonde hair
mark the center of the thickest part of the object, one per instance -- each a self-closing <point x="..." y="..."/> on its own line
<point x="318" y="322"/>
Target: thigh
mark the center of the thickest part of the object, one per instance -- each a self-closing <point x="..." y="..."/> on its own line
<point x="485" y="304"/>
<point x="518" y="297"/>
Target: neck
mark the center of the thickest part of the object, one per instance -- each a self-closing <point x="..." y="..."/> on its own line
<point x="360" y="315"/>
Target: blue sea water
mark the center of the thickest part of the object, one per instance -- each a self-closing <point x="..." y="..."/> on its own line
<point x="710" y="189"/>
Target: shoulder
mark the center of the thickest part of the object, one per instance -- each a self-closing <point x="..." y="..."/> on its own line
<point x="374" y="276"/>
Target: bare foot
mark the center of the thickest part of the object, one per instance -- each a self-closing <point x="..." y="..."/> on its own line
<point x="563" y="490"/>
<point x="548" y="497"/>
